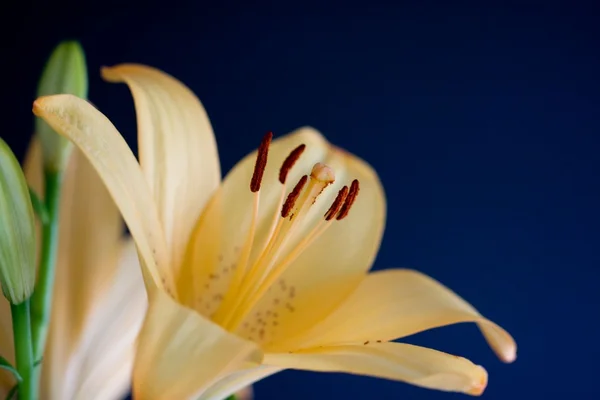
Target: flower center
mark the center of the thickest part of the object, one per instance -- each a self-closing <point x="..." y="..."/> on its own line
<point x="252" y="280"/>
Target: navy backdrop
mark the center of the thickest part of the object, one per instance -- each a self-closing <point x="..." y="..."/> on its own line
<point x="482" y="121"/>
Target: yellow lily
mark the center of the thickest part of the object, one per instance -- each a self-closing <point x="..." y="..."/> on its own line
<point x="99" y="298"/>
<point x="266" y="270"/>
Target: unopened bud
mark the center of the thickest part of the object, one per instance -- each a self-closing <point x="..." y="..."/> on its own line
<point x="65" y="73"/>
<point x="17" y="232"/>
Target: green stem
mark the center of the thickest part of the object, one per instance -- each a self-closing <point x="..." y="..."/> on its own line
<point x="23" y="349"/>
<point x="41" y="301"/>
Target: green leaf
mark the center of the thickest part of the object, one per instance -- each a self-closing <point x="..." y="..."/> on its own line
<point x="4" y="364"/>
<point x="39" y="207"/>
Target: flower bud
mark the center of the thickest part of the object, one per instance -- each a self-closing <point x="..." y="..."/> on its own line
<point x="65" y="73"/>
<point x="17" y="232"/>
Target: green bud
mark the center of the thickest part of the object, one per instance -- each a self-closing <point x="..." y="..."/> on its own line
<point x="17" y="230"/>
<point x="65" y="73"/>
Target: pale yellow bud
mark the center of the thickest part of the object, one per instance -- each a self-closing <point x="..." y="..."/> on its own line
<point x="17" y="233"/>
<point x="65" y="73"/>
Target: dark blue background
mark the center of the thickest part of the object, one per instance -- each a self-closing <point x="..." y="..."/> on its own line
<point x="482" y="121"/>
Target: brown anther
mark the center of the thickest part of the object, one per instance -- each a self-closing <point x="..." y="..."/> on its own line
<point x="261" y="162"/>
<point x="337" y="204"/>
<point x="352" y="193"/>
<point x="289" y="162"/>
<point x="292" y="197"/>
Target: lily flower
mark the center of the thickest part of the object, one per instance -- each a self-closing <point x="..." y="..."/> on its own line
<point x="268" y="269"/>
<point x="99" y="300"/>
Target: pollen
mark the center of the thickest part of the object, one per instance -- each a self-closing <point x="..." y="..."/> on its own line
<point x="292" y="197"/>
<point x="289" y="162"/>
<point x="337" y="204"/>
<point x="350" y="198"/>
<point x="261" y="162"/>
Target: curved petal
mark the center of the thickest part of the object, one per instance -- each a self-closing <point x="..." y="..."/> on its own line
<point x="396" y="303"/>
<point x="416" y="365"/>
<point x="97" y="363"/>
<point x="108" y="153"/>
<point x="341" y="255"/>
<point x="177" y="149"/>
<point x="238" y="381"/>
<point x="108" y="349"/>
<point x="89" y="244"/>
<point x="181" y="354"/>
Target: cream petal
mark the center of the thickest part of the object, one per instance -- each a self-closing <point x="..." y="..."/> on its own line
<point x="416" y="365"/>
<point x="238" y="381"/>
<point x="109" y="154"/>
<point x="396" y="303"/>
<point x="99" y="360"/>
<point x="177" y="149"/>
<point x="181" y="354"/>
<point x="341" y="255"/>
<point x="109" y="348"/>
<point x="89" y="247"/>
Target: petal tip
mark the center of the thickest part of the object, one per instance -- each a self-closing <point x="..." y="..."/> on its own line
<point x="310" y="132"/>
<point x="509" y="355"/>
<point x="37" y="106"/>
<point x="42" y="103"/>
<point x="109" y="74"/>
<point x="480" y="383"/>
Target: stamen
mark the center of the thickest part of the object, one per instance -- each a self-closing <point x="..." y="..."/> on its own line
<point x="269" y="265"/>
<point x="261" y="162"/>
<point x="289" y="162"/>
<point x="352" y="194"/>
<point x="244" y="256"/>
<point x="337" y="204"/>
<point x="292" y="197"/>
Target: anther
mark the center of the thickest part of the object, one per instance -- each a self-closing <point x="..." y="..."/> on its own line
<point x="289" y="162"/>
<point x="337" y="204"/>
<point x="350" y="198"/>
<point x="261" y="162"/>
<point x="293" y="196"/>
